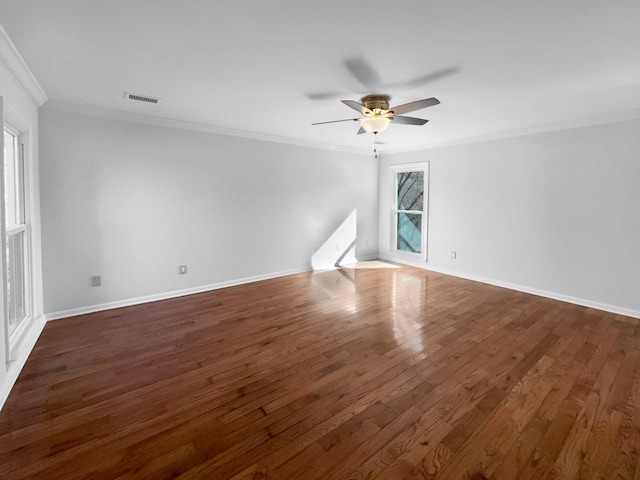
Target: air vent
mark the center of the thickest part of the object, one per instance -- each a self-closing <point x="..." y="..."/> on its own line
<point x="140" y="98"/>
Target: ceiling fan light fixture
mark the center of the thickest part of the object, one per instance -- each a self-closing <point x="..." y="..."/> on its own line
<point x="375" y="124"/>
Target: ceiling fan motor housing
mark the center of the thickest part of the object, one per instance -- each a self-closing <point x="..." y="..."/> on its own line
<point x="373" y="102"/>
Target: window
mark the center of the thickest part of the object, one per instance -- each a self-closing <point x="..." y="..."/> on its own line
<point x="409" y="207"/>
<point x="16" y="231"/>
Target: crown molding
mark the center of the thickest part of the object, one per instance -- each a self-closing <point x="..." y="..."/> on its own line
<point x="74" y="108"/>
<point x="17" y="67"/>
<point x="523" y="132"/>
<point x="118" y="115"/>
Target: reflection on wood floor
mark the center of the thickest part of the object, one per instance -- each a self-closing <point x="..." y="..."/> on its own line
<point x="375" y="371"/>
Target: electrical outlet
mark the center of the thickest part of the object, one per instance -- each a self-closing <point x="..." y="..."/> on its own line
<point x="96" y="281"/>
<point x="182" y="269"/>
<point x="453" y="254"/>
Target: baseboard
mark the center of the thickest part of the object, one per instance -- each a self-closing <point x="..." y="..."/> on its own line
<point x="167" y="295"/>
<point x="402" y="260"/>
<point x="15" y="367"/>
<point x="367" y="258"/>
<point x="522" y="288"/>
<point x="181" y="293"/>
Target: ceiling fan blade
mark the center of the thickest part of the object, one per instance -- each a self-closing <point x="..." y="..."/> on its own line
<point x="361" y="131"/>
<point x="324" y="95"/>
<point x="336" y="121"/>
<point x="409" y="120"/>
<point x="424" y="79"/>
<point x="419" y="105"/>
<point x="356" y="106"/>
<point x="364" y="73"/>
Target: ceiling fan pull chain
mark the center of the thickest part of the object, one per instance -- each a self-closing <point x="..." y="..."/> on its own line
<point x="375" y="148"/>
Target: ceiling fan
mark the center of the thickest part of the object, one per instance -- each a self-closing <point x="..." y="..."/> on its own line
<point x="376" y="114"/>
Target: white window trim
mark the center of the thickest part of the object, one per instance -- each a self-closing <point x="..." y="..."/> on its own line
<point x="14" y="339"/>
<point x="401" y="254"/>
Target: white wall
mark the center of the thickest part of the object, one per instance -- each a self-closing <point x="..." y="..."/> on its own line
<point x="553" y="213"/>
<point x="22" y="96"/>
<point x="132" y="202"/>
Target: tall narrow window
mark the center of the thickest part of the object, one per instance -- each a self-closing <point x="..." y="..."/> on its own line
<point x="409" y="207"/>
<point x="16" y="232"/>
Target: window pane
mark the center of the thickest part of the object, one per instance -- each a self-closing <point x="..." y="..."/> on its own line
<point x="10" y="156"/>
<point x="410" y="190"/>
<point x="409" y="232"/>
<point x="15" y="280"/>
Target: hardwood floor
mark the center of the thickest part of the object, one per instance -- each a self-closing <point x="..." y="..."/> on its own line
<point x="371" y="372"/>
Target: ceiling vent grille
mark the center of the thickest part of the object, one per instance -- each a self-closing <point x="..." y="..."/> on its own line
<point x="140" y="98"/>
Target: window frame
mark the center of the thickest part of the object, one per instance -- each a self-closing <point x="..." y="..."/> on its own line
<point x="14" y="336"/>
<point x="393" y="245"/>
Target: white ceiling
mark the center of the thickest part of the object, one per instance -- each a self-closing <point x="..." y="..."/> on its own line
<point x="274" y="67"/>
